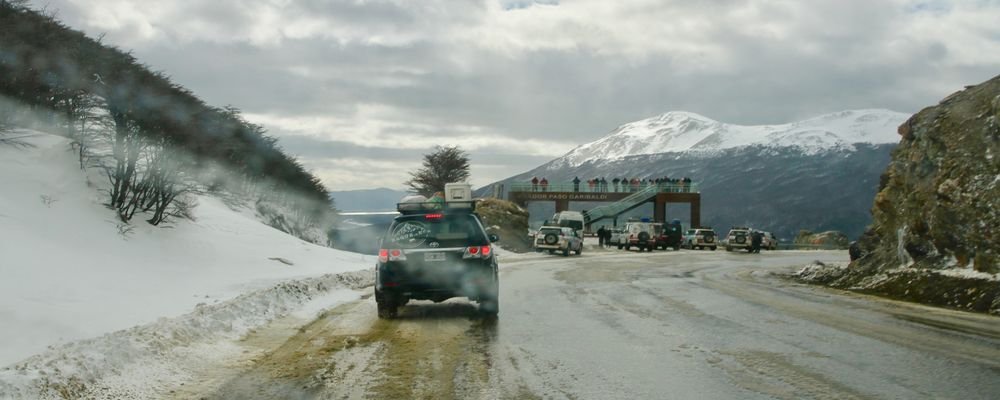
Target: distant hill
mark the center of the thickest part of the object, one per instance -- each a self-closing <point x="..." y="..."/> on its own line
<point x="380" y="199"/>
<point x="818" y="174"/>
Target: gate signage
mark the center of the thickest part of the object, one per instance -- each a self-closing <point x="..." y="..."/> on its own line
<point x="564" y="196"/>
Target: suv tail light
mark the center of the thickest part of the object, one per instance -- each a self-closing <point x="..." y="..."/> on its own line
<point x="386" y="255"/>
<point x="478" y="252"/>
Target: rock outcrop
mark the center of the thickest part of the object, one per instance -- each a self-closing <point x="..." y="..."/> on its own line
<point x="935" y="236"/>
<point x="939" y="206"/>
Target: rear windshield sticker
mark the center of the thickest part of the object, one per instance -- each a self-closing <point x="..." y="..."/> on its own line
<point x="410" y="233"/>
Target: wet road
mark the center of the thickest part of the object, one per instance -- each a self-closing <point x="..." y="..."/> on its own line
<point x="617" y="325"/>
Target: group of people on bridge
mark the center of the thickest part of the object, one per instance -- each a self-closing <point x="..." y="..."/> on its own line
<point x="615" y="185"/>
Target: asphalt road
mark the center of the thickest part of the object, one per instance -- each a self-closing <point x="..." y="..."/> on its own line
<point x="617" y="325"/>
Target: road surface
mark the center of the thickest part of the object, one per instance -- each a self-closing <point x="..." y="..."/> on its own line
<point x="625" y="325"/>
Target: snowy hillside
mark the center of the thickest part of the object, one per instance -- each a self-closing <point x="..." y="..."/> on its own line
<point x="679" y="131"/>
<point x="71" y="271"/>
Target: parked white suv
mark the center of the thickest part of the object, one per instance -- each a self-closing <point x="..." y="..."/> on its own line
<point x="638" y="234"/>
<point x="559" y="238"/>
<point x="700" y="238"/>
<point x="769" y="241"/>
<point x="739" y="238"/>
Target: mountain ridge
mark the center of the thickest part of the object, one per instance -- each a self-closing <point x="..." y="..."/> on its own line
<point x="688" y="132"/>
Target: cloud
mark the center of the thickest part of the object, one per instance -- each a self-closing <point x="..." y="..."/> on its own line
<point x="535" y="78"/>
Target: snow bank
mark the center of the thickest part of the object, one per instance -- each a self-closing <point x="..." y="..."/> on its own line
<point x="962" y="288"/>
<point x="71" y="271"/>
<point x="137" y="362"/>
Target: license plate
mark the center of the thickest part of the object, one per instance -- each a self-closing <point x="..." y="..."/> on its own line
<point x="434" y="256"/>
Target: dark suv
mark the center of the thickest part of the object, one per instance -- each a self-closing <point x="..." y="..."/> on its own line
<point x="669" y="235"/>
<point x="436" y="255"/>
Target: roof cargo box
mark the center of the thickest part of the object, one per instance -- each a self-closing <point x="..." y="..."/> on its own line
<point x="458" y="193"/>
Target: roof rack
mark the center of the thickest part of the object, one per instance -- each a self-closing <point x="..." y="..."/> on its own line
<point x="431" y="207"/>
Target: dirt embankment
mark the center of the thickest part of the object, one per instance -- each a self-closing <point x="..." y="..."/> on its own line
<point x="934" y="233"/>
<point x="507" y="220"/>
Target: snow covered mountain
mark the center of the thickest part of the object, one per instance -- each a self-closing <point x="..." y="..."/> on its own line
<point x="818" y="174"/>
<point x="679" y="131"/>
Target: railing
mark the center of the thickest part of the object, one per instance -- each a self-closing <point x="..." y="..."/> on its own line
<point x="583" y="187"/>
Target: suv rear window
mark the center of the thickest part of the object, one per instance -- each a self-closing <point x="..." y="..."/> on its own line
<point x="419" y="231"/>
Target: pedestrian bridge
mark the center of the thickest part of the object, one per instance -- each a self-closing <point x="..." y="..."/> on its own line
<point x="620" y="198"/>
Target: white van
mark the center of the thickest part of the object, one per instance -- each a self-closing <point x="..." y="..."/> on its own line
<point x="572" y="219"/>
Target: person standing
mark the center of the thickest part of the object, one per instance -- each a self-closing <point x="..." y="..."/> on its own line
<point x="534" y="184"/>
<point x="614" y="184"/>
<point x="600" y="236"/>
<point x="755" y="238"/>
<point x="604" y="184"/>
<point x="544" y="183"/>
<point x="576" y="184"/>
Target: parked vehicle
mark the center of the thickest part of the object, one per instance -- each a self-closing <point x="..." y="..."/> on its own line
<point x="700" y="238"/>
<point x="572" y="219"/>
<point x="617" y="237"/>
<point x="738" y="239"/>
<point x="638" y="235"/>
<point x="669" y="235"/>
<point x="559" y="239"/>
<point x="769" y="242"/>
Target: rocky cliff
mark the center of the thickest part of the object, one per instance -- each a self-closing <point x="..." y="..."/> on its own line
<point x="940" y="204"/>
<point x="937" y="211"/>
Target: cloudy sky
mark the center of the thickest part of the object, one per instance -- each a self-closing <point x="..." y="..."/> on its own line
<point x="360" y="89"/>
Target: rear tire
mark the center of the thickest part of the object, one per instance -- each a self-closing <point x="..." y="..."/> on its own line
<point x="712" y="248"/>
<point x="566" y="252"/>
<point x="620" y="247"/>
<point x="386" y="305"/>
<point x="489" y="305"/>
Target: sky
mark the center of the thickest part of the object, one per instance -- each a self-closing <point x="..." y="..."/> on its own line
<point x="360" y="90"/>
